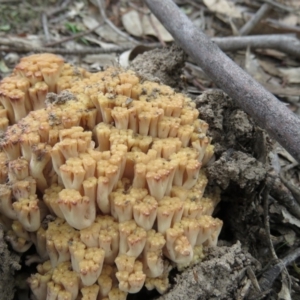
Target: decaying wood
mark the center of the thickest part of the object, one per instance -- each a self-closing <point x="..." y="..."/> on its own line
<point x="261" y="105"/>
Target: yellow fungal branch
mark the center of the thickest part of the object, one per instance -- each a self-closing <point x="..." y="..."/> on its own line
<point x="117" y="163"/>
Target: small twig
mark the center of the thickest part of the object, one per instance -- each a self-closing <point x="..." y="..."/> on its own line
<point x="269" y="276"/>
<point x="191" y="2"/>
<point x="253" y="279"/>
<point x="9" y="1"/>
<point x="280" y="192"/>
<point x="73" y="37"/>
<point x="290" y="166"/>
<point x="22" y="47"/>
<point x="281" y="42"/>
<point x="59" y="9"/>
<point x="250" y="4"/>
<point x="262" y="295"/>
<point x="294" y="190"/>
<point x="285" y="275"/>
<point x="244" y="291"/>
<point x="45" y="27"/>
<point x="255" y="19"/>
<point x="60" y="18"/>
<point x="139" y="9"/>
<point x="85" y="51"/>
<point x="280" y="6"/>
<point x="112" y="25"/>
<point x="265" y="196"/>
<point x="275" y="239"/>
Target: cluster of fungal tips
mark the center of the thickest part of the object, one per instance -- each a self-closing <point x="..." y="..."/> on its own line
<point x="101" y="173"/>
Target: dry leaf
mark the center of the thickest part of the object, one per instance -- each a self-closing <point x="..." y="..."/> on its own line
<point x="284" y="293"/>
<point x="290" y="19"/>
<point x="223" y="7"/>
<point x="292" y="75"/>
<point x="281" y="91"/>
<point x="128" y="56"/>
<point x="252" y="66"/>
<point x="100" y="43"/>
<point x="124" y="59"/>
<point x="149" y="30"/>
<point x="132" y="23"/>
<point x="100" y="59"/>
<point x="272" y="84"/>
<point x="271" y="52"/>
<point x="280" y="150"/>
<point x="288" y="218"/>
<point x="90" y="23"/>
<point x="294" y="3"/>
<point x="290" y="238"/>
<point x="75" y="9"/>
<point x="105" y="32"/>
<point x="30" y="40"/>
<point x="288" y="234"/>
<point x="270" y="68"/>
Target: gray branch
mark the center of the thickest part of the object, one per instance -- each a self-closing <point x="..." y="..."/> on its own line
<point x="281" y="42"/>
<point x="261" y="105"/>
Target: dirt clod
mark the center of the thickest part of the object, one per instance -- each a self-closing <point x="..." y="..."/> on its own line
<point x="217" y="277"/>
<point x="239" y="168"/>
<point x="229" y="126"/>
<point x="234" y="136"/>
<point x="161" y="65"/>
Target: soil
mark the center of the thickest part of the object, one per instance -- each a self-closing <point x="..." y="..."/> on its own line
<point x="9" y="264"/>
<point x="161" y="65"/>
<point x="234" y="135"/>
<point x="218" y="277"/>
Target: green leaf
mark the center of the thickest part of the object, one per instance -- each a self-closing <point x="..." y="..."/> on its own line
<point x="72" y="27"/>
<point x="84" y="41"/>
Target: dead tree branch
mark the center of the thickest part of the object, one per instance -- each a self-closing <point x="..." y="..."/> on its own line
<point x="284" y="43"/>
<point x="265" y="108"/>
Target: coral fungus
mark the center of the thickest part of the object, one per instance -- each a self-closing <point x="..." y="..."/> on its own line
<point x="117" y="163"/>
